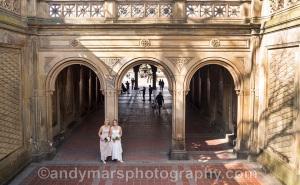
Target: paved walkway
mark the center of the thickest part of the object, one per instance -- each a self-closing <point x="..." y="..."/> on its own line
<point x="146" y="143"/>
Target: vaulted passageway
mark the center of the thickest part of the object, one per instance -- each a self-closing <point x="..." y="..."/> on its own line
<point x="211" y="111"/>
<point x="77" y="113"/>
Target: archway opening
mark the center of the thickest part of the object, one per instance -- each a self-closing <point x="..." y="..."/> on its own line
<point x="77" y="112"/>
<point x="145" y="124"/>
<point x="211" y="112"/>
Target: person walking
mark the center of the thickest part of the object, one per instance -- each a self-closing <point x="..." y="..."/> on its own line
<point x="150" y="92"/>
<point x="127" y="87"/>
<point x="159" y="83"/>
<point x="162" y="84"/>
<point x="159" y="100"/>
<point x="132" y="83"/>
<point x="144" y="93"/>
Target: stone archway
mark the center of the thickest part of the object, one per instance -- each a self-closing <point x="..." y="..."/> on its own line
<point x="148" y="121"/>
<point x="239" y="88"/>
<point x="145" y="60"/>
<point x="52" y="77"/>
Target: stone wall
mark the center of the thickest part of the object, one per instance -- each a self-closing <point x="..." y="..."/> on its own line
<point x="281" y="102"/>
<point x="278" y="95"/>
<point x="11" y="137"/>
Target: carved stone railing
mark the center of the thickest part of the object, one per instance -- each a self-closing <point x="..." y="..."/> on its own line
<point x="145" y="9"/>
<point x="213" y="9"/>
<point x="276" y="5"/>
<point x="148" y="10"/>
<point x="76" y="9"/>
<point x="11" y="5"/>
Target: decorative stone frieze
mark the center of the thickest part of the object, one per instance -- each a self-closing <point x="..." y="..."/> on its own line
<point x="180" y="62"/>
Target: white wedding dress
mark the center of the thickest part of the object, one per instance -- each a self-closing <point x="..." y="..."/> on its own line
<point x="116" y="145"/>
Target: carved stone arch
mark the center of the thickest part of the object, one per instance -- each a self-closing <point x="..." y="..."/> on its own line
<point x="232" y="69"/>
<point x="59" y="66"/>
<point x="145" y="60"/>
<point x="51" y="79"/>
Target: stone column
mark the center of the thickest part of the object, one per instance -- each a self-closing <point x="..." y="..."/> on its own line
<point x="136" y="76"/>
<point x="199" y="88"/>
<point x="80" y="89"/>
<point x="90" y="89"/>
<point x="178" y="150"/>
<point x="154" y="76"/>
<point x="111" y="104"/>
<point x="96" y="92"/>
<point x="243" y="124"/>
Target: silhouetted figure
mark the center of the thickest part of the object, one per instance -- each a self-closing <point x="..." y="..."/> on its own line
<point x="123" y="88"/>
<point x="132" y="83"/>
<point x="150" y="92"/>
<point x="127" y="87"/>
<point x="144" y="93"/>
<point x="159" y="100"/>
<point x="159" y="83"/>
<point x="162" y="84"/>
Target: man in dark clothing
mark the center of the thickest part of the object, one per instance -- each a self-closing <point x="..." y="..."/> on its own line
<point x="159" y="83"/>
<point x="150" y="92"/>
<point x="159" y="100"/>
<point x="144" y="92"/>
<point x="132" y="83"/>
<point x="127" y="87"/>
<point x="162" y="84"/>
<point x="123" y="88"/>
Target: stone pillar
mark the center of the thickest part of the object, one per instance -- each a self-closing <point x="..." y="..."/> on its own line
<point x="154" y="76"/>
<point x="199" y="89"/>
<point x="243" y="124"/>
<point x="80" y="89"/>
<point x="136" y="76"/>
<point x="90" y="89"/>
<point x="110" y="7"/>
<point x="111" y="104"/>
<point x="96" y="92"/>
<point x="178" y="150"/>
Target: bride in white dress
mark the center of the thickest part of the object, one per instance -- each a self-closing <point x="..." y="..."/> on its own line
<point x="116" y="134"/>
<point x="105" y="144"/>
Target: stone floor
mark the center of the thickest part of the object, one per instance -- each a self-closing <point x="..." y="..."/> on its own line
<point x="146" y="143"/>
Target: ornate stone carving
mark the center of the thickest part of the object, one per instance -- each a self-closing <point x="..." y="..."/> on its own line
<point x="76" y="9"/>
<point x="111" y="62"/>
<point x="153" y="9"/>
<point x="198" y="9"/>
<point x="74" y="43"/>
<point x="215" y="43"/>
<point x="11" y="5"/>
<point x="47" y="65"/>
<point x="180" y="61"/>
<point x="145" y="43"/>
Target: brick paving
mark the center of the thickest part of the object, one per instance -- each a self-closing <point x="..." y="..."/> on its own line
<point x="146" y="143"/>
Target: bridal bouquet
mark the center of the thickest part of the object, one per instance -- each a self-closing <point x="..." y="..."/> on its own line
<point x="107" y="139"/>
<point x="116" y="138"/>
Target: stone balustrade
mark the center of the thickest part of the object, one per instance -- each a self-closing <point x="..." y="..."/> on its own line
<point x="276" y="5"/>
<point x="147" y="9"/>
<point x="13" y="6"/>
